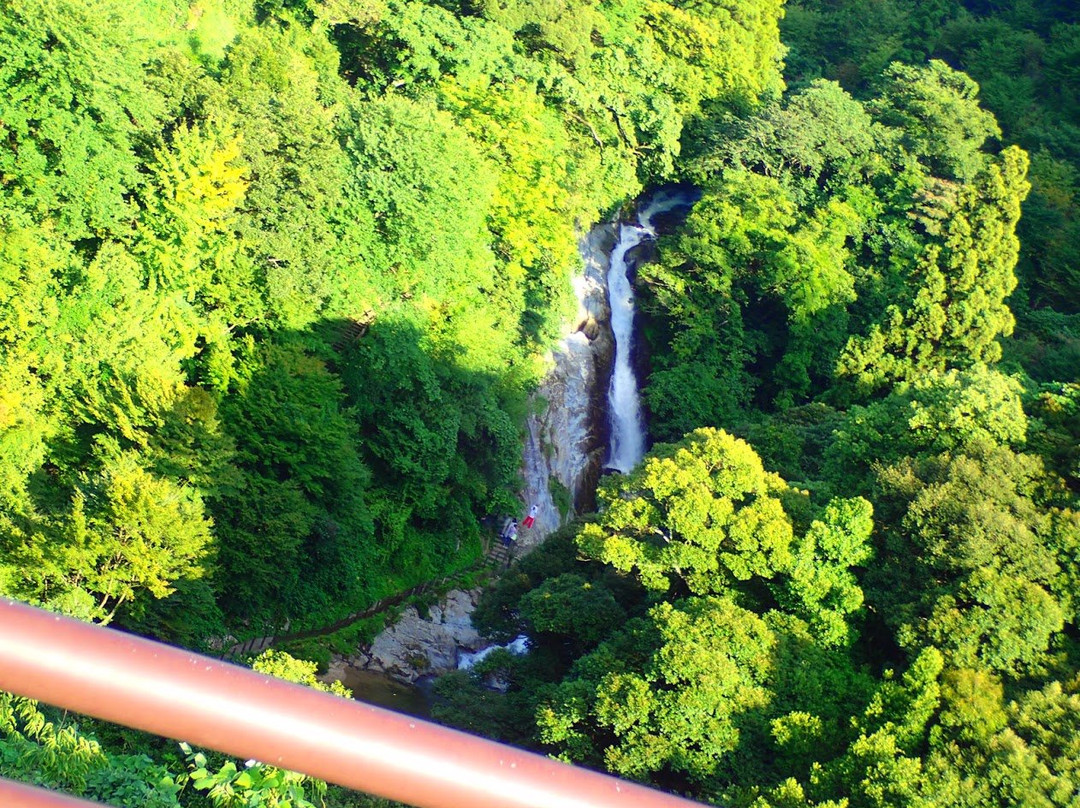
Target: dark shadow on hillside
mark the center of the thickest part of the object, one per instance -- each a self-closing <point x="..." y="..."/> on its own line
<point x="351" y="463"/>
<point x="370" y="465"/>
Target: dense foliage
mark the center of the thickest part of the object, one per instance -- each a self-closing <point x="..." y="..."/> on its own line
<point x="868" y="598"/>
<point x="1023" y="56"/>
<point x="275" y="277"/>
<point x="274" y="280"/>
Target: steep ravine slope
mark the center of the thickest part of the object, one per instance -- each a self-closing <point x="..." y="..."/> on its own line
<point x="565" y="446"/>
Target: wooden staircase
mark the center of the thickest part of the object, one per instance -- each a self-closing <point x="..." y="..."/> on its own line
<point x="354" y="329"/>
<point x="499" y="556"/>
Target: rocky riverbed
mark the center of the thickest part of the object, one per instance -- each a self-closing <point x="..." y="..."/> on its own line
<point x="414" y="646"/>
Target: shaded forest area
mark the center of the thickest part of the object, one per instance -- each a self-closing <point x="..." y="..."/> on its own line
<point x="274" y="281"/>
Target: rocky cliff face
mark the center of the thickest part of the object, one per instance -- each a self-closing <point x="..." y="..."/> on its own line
<point x="415" y="646"/>
<point x="567" y="436"/>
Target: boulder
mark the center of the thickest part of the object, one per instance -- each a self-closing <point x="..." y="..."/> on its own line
<point x="415" y="646"/>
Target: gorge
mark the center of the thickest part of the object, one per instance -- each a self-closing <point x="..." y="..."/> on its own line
<point x="586" y="417"/>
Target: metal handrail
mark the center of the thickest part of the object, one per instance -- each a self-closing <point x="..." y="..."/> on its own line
<point x="168" y="691"/>
<point x="20" y="795"/>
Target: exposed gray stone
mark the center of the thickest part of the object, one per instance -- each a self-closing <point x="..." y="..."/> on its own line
<point x="337" y="669"/>
<point x="567" y="436"/>
<point x="414" y="647"/>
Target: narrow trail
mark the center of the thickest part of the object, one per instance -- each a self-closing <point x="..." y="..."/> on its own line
<point x="495" y="561"/>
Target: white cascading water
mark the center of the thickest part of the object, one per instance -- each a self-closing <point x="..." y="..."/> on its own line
<point x="518" y="646"/>
<point x="624" y="404"/>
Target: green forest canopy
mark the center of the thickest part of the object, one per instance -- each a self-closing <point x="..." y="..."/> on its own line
<point x="203" y="204"/>
<point x="275" y="278"/>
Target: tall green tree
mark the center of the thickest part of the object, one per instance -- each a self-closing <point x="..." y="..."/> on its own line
<point x="958" y="312"/>
<point x="76" y="106"/>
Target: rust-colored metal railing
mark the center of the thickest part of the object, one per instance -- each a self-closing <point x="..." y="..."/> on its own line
<point x="178" y="694"/>
<point x="20" y="795"/>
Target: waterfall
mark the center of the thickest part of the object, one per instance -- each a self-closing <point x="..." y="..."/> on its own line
<point x="518" y="646"/>
<point x="627" y="428"/>
<point x="624" y="403"/>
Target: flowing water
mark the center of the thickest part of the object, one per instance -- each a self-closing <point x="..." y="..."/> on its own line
<point x="519" y="645"/>
<point x="562" y="442"/>
<point x="624" y="402"/>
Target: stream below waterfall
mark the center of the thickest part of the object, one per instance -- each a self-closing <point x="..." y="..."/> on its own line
<point x="373" y="687"/>
<point x="626" y="420"/>
<point x="519" y="645"/>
